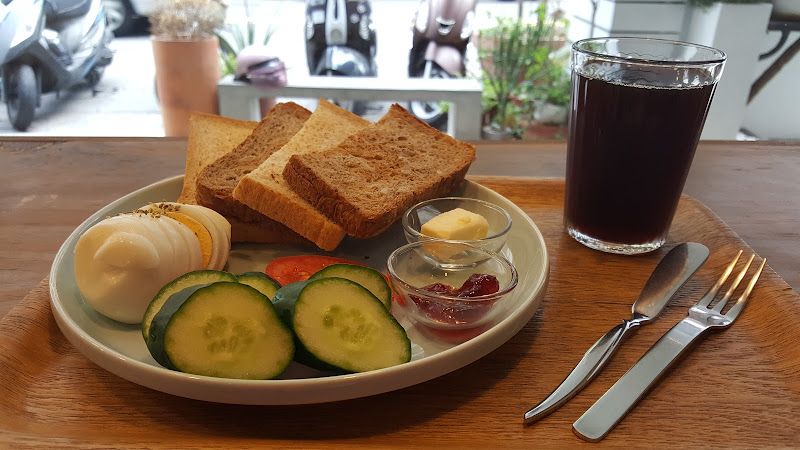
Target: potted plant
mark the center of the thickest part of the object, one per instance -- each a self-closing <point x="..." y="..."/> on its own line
<point x="550" y="100"/>
<point x="514" y="55"/>
<point x="186" y="54"/>
<point x="236" y="37"/>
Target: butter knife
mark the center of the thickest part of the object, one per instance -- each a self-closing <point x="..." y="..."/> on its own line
<point x="609" y="410"/>
<point x="671" y="273"/>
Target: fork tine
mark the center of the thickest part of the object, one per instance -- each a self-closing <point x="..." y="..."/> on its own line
<point x="737" y="307"/>
<point x="712" y="292"/>
<point x="721" y="304"/>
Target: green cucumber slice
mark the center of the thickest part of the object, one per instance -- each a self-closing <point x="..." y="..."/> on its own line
<point x="194" y="278"/>
<point x="261" y="281"/>
<point x="284" y="301"/>
<point x="155" y="337"/>
<point x="342" y="324"/>
<point x="223" y="329"/>
<point x="368" y="277"/>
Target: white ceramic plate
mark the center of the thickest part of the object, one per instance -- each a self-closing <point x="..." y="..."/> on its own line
<point x="121" y="350"/>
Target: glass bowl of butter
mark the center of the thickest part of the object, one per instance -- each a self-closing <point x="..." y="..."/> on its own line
<point x="475" y="222"/>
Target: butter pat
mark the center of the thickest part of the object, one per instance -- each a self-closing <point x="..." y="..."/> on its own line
<point x="457" y="224"/>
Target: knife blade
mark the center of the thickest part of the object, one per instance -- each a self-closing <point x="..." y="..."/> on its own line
<point x="674" y="270"/>
<point x="609" y="410"/>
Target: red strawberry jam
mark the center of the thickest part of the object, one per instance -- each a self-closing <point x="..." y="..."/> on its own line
<point x="455" y="312"/>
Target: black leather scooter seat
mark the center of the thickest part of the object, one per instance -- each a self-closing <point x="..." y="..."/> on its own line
<point x="64" y="9"/>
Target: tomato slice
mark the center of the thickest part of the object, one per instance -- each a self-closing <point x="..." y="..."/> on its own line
<point x="289" y="269"/>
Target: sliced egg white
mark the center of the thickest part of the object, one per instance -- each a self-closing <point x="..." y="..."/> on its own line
<point x="122" y="262"/>
<point x="218" y="227"/>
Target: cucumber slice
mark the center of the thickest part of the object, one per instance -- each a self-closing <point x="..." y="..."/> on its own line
<point x="261" y="281"/>
<point x="342" y="324"/>
<point x="223" y="329"/>
<point x="284" y="301"/>
<point x="368" y="277"/>
<point x="194" y="278"/>
<point x="155" y="337"/>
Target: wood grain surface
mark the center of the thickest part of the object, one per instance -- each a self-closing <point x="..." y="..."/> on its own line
<point x="51" y="185"/>
<point x="738" y="388"/>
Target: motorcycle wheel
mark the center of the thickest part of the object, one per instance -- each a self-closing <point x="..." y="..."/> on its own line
<point x="93" y="76"/>
<point x="21" y="96"/>
<point x="431" y="113"/>
<point x="119" y="16"/>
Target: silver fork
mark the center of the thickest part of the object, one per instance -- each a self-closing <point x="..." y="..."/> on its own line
<point x="612" y="407"/>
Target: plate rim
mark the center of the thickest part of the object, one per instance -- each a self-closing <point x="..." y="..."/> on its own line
<point x="339" y="387"/>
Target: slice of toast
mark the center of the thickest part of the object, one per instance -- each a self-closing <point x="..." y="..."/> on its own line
<point x="211" y="137"/>
<point x="370" y="179"/>
<point x="265" y="190"/>
<point x="216" y="182"/>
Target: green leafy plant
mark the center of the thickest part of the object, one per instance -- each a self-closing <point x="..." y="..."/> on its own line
<point x="557" y="90"/>
<point x="553" y="84"/>
<point x="233" y="38"/>
<point x="187" y="20"/>
<point x="515" y="55"/>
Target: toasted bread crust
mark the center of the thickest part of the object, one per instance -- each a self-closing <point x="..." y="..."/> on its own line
<point x="265" y="190"/>
<point x="316" y="227"/>
<point x="210" y="137"/>
<point x="367" y="181"/>
<point x="216" y="182"/>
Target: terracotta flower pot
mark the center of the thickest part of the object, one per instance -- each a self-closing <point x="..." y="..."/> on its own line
<point x="187" y="73"/>
<point x="546" y="132"/>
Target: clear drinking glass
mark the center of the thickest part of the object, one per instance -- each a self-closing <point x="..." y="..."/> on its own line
<point x="637" y="108"/>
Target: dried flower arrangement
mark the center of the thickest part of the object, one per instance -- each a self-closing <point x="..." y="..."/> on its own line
<point x="188" y="20"/>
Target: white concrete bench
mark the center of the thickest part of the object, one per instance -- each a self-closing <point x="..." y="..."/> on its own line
<point x="239" y="100"/>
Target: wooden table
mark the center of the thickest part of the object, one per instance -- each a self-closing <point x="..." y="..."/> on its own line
<point x="50" y="185"/>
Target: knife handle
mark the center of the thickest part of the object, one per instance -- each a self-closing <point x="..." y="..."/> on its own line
<point x="593" y="360"/>
<point x="612" y="407"/>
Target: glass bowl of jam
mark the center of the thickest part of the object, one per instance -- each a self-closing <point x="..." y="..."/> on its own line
<point x="466" y="292"/>
<point x="476" y="222"/>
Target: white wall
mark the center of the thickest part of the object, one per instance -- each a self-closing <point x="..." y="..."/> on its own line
<point x="737" y="30"/>
<point x="775" y="112"/>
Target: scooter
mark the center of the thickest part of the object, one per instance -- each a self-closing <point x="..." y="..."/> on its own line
<point x="47" y="46"/>
<point x="441" y="34"/>
<point x="341" y="40"/>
